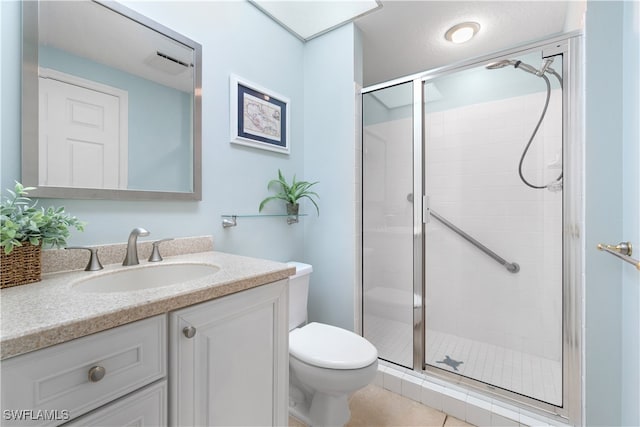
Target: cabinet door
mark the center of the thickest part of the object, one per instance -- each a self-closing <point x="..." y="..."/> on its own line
<point x="235" y="369"/>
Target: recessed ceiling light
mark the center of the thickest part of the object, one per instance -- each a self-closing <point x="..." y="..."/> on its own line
<point x="462" y="32"/>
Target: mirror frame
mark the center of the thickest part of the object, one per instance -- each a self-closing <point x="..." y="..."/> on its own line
<point x="30" y="99"/>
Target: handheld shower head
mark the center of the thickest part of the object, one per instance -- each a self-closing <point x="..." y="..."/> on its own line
<point x="526" y="67"/>
<point x="516" y="64"/>
<point x="546" y="67"/>
<point x="500" y="64"/>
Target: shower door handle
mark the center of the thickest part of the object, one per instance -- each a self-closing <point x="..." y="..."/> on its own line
<point x="426" y="210"/>
<point x="623" y="250"/>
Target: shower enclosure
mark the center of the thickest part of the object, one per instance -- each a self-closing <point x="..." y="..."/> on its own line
<point x="467" y="178"/>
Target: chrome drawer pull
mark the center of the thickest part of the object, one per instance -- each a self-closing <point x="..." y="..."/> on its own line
<point x="189" y="331"/>
<point x="96" y="374"/>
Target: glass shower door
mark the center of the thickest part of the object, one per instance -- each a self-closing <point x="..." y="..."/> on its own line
<point x="493" y="247"/>
<point x="387" y="222"/>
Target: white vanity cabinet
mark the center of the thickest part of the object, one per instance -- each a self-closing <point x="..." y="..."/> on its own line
<point x="65" y="381"/>
<point x="219" y="362"/>
<point x="144" y="408"/>
<point x="229" y="360"/>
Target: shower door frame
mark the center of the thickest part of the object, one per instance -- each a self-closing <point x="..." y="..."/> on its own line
<point x="569" y="45"/>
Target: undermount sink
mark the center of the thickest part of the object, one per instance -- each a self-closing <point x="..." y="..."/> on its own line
<point x="144" y="277"/>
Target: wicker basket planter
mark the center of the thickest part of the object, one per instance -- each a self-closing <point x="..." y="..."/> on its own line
<point x="23" y="265"/>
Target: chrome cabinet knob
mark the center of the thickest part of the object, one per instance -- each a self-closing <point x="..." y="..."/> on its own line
<point x="96" y="373"/>
<point x="189" y="331"/>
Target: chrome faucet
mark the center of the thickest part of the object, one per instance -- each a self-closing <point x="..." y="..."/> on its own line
<point x="132" y="246"/>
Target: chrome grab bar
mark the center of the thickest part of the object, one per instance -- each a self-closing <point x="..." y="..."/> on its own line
<point x="622" y="251"/>
<point x="512" y="267"/>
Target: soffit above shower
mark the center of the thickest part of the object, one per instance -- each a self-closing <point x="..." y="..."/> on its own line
<point x="307" y="19"/>
<point x="407" y="37"/>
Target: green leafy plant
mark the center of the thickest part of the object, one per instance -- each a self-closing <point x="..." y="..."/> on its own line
<point x="23" y="222"/>
<point x="291" y="193"/>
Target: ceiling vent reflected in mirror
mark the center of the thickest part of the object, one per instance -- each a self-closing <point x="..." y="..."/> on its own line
<point x="167" y="64"/>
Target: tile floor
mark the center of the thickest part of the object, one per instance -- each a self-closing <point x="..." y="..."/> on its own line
<point x="374" y="406"/>
<point x="523" y="373"/>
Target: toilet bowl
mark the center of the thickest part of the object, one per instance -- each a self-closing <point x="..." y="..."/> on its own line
<point x="326" y="363"/>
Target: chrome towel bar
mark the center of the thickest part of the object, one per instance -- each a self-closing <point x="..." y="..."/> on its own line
<point x="623" y="251"/>
<point x="512" y="267"/>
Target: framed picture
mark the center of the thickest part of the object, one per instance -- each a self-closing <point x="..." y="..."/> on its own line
<point x="259" y="117"/>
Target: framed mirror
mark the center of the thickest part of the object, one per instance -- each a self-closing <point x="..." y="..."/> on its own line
<point x="111" y="104"/>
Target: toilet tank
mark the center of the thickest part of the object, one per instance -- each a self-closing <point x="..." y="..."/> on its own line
<point x="298" y="293"/>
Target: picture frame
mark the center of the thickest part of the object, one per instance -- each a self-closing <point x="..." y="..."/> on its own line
<point x="259" y="117"/>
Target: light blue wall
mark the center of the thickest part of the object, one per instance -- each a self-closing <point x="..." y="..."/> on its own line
<point x="631" y="213"/>
<point x="236" y="38"/>
<point x="329" y="130"/>
<point x="603" y="218"/>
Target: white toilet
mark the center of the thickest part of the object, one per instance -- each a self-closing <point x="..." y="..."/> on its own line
<point x="326" y="364"/>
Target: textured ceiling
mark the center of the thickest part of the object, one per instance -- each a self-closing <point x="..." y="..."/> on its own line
<point x="407" y="37"/>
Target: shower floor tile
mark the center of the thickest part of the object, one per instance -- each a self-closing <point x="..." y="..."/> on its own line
<point x="512" y="370"/>
<point x="519" y="372"/>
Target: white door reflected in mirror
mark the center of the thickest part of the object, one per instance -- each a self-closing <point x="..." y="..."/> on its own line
<point x="83" y="134"/>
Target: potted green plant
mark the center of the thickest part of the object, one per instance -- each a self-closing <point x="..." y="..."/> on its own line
<point x="291" y="193"/>
<point x="25" y="229"/>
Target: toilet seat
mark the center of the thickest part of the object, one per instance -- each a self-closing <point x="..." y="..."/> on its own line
<point x="330" y="347"/>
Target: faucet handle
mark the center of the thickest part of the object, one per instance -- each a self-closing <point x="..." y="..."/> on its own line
<point x="94" y="261"/>
<point x="155" y="251"/>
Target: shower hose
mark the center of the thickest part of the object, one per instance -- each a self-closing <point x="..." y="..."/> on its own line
<point x="533" y="135"/>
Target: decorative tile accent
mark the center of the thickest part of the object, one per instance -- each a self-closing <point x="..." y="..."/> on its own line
<point x="453" y="364"/>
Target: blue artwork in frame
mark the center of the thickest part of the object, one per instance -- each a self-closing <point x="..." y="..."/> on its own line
<point x="259" y="117"/>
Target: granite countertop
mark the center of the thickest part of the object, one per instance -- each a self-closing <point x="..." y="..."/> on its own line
<point x="50" y="312"/>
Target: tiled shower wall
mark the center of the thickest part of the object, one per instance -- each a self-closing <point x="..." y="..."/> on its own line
<point x="472" y="156"/>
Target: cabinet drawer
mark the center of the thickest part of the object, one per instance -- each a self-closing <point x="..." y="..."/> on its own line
<point x="52" y="385"/>
<point x="143" y="408"/>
